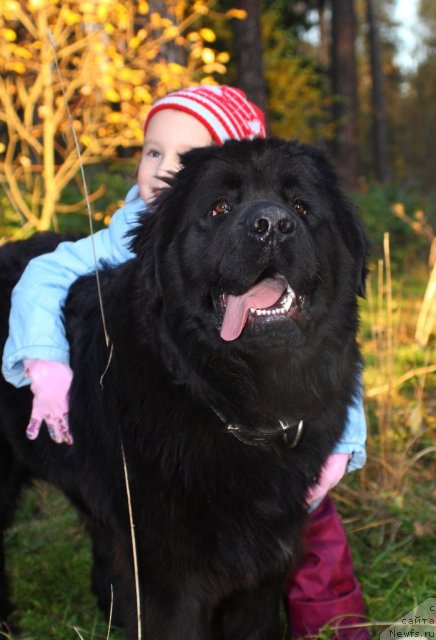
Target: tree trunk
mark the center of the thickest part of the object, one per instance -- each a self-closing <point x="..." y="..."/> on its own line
<point x="169" y="51"/>
<point x="323" y="35"/>
<point x="344" y="84"/>
<point x="379" y="119"/>
<point x="248" y="53"/>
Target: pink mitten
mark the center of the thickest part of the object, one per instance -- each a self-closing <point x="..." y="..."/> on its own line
<point x="331" y="474"/>
<point x="50" y="384"/>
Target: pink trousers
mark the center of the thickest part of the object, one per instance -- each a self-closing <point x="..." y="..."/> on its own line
<point x="323" y="589"/>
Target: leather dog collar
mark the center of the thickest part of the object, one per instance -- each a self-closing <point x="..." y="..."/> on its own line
<point x="289" y="433"/>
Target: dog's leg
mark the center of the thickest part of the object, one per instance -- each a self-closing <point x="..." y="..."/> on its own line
<point x="253" y="614"/>
<point x="12" y="479"/>
<point x="111" y="574"/>
<point x="170" y="613"/>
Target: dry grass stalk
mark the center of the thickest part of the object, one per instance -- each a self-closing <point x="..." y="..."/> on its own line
<point x="111" y="610"/>
<point x="427" y="316"/>
<point x="393" y="412"/>
<point x="134" y="548"/>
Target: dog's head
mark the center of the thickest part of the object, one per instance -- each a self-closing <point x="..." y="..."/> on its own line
<point x="254" y="245"/>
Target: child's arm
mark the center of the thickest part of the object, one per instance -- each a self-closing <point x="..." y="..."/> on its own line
<point x="36" y="351"/>
<point x="348" y="455"/>
<point x="353" y="438"/>
<point x="36" y="329"/>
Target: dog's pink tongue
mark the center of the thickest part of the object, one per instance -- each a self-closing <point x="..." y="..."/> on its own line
<point x="263" y="295"/>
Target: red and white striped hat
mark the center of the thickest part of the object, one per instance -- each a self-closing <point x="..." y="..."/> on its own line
<point x="224" y="111"/>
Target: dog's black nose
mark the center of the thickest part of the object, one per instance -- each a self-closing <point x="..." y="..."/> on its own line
<point x="271" y="221"/>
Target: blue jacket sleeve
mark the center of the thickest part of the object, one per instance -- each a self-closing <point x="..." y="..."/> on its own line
<point x="354" y="435"/>
<point x="35" y="324"/>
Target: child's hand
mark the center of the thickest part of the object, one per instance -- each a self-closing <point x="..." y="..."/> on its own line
<point x="331" y="474"/>
<point x="50" y="384"/>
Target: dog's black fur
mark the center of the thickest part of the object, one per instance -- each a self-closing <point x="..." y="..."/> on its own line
<point x="217" y="521"/>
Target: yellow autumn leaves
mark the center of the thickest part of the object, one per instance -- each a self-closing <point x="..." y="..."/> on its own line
<point x="95" y="66"/>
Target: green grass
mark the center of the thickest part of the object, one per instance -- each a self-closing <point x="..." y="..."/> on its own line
<point x="392" y="536"/>
<point x="49" y="559"/>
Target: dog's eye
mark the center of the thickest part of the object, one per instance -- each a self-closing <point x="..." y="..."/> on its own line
<point x="222" y="206"/>
<point x="300" y="208"/>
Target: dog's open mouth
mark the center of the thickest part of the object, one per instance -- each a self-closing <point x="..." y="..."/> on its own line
<point x="269" y="300"/>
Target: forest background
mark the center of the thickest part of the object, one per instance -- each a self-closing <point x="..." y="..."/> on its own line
<point x="79" y="77"/>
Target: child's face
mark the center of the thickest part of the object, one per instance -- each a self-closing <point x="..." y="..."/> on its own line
<point x="169" y="133"/>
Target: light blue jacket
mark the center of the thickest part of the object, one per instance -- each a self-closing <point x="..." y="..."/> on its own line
<point x="36" y="329"/>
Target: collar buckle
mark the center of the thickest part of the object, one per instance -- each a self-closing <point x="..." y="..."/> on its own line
<point x="291" y="443"/>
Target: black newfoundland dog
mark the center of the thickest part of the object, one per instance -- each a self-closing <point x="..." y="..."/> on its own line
<point x="234" y="360"/>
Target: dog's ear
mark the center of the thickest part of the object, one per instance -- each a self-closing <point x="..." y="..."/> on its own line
<point x="155" y="226"/>
<point x="347" y="217"/>
<point x="362" y="267"/>
<point x="143" y="234"/>
<point x="356" y="239"/>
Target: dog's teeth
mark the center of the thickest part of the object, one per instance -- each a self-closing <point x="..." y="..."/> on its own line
<point x="287" y="302"/>
<point x="277" y="311"/>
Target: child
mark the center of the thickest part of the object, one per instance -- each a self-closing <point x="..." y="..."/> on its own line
<point x="37" y="351"/>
